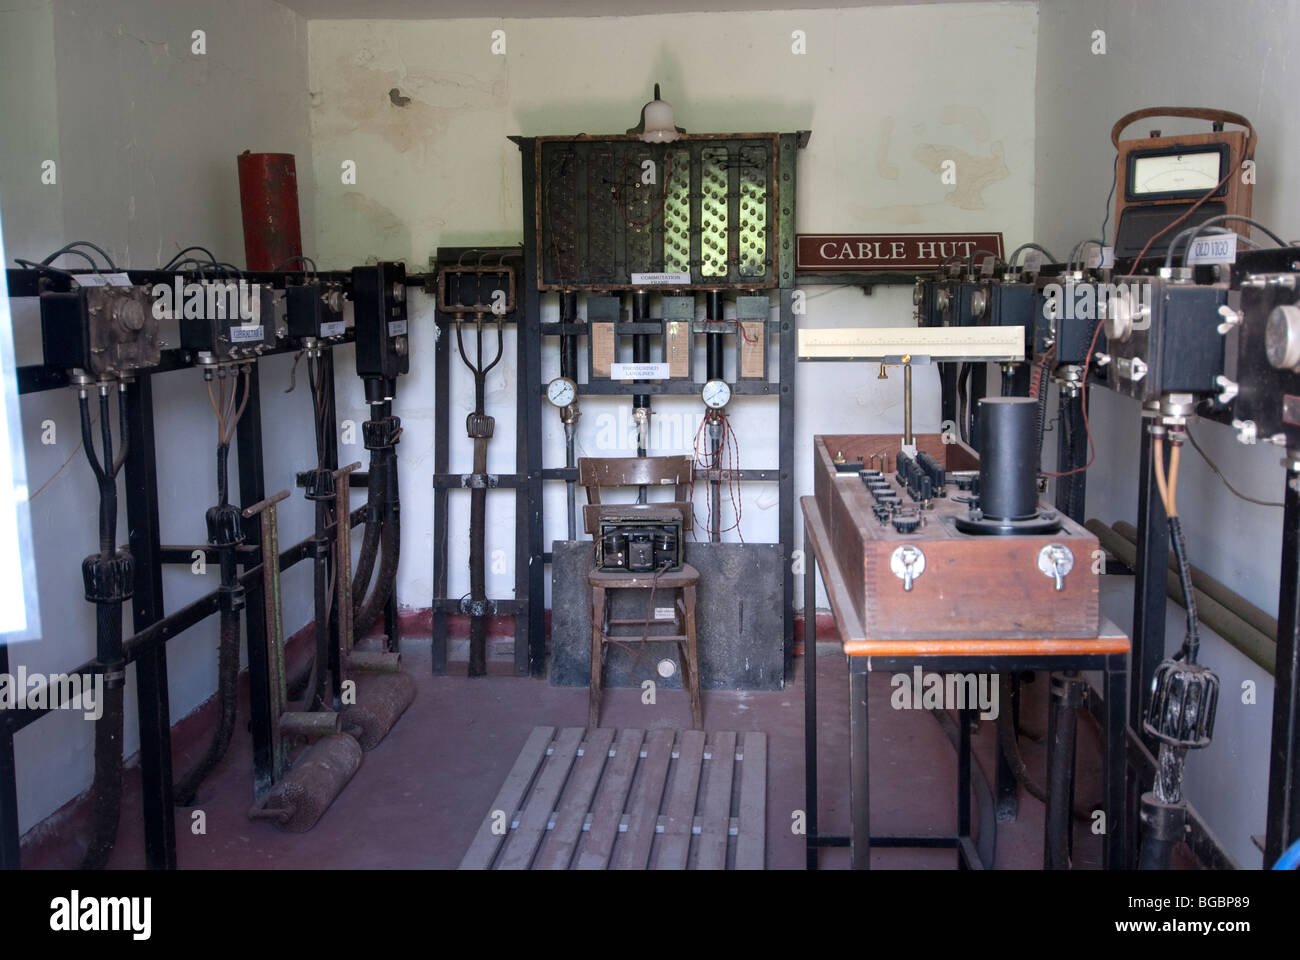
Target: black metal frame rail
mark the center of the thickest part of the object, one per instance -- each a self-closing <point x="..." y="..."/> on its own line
<point x="534" y="553"/>
<point x="153" y="627"/>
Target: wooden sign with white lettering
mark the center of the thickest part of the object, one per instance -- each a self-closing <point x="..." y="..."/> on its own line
<point x="859" y="252"/>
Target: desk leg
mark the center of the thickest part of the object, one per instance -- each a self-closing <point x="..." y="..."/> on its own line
<point x="1004" y="777"/>
<point x="964" y="718"/>
<point x="810" y="701"/>
<point x="1062" y="726"/>
<point x="859" y="769"/>
<point x="1116" y="806"/>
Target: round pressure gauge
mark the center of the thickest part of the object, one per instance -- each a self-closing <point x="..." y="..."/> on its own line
<point x="979" y="302"/>
<point x="562" y="392"/>
<point x="1282" y="337"/>
<point x="918" y="294"/>
<point x="716" y="394"/>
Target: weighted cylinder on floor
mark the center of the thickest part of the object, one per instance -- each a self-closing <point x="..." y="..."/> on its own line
<point x="306" y="792"/>
<point x="381" y="699"/>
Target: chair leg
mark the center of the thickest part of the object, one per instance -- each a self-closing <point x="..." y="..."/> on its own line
<point x="693" y="659"/>
<point x="597" y="660"/>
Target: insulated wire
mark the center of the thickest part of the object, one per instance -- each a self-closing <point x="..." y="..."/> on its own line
<point x="1227" y="483"/>
<point x="71" y="248"/>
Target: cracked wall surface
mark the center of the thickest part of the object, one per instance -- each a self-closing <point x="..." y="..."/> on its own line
<point x="887" y="92"/>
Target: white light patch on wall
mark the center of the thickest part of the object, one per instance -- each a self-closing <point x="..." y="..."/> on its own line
<point x="19" y="610"/>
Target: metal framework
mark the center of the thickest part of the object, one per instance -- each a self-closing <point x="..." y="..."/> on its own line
<point x="153" y="626"/>
<point x="778" y="276"/>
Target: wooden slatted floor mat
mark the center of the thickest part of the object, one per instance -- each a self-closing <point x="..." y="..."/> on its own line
<point x="629" y="800"/>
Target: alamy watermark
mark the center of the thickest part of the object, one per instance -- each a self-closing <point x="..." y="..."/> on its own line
<point x="664" y="431"/>
<point x="60" y="691"/>
<point x="219" y="299"/>
<point x="1096" y="301"/>
<point x="945" y="691"/>
<point x="80" y="914"/>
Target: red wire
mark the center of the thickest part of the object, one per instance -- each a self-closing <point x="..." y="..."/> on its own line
<point x="1087" y="361"/>
<point x="715" y="460"/>
<point x="740" y="328"/>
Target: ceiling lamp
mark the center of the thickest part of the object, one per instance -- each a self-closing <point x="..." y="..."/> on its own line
<point x="656" y="124"/>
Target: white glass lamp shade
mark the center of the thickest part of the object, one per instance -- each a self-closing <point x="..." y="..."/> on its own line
<point x="659" y="126"/>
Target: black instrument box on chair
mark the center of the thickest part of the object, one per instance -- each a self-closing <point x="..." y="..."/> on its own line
<point x="641" y="542"/>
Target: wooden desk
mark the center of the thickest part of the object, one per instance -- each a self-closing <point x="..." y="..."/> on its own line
<point x="1107" y="652"/>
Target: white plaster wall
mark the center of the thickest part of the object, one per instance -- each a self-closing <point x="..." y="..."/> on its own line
<point x="1186" y="53"/>
<point x="145" y="135"/>
<point x="887" y="92"/>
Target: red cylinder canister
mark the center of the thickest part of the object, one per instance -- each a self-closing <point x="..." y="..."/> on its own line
<point x="268" y="197"/>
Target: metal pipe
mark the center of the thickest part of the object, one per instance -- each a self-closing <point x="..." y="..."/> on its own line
<point x="569" y="369"/>
<point x="1225" y="596"/>
<point x="268" y="198"/>
<point x="907" y="404"/>
<point x="713" y="312"/>
<point x="714" y="370"/>
<point x="641" y="354"/>
<point x="570" y="485"/>
<point x="1284" y="748"/>
<point x="169" y="627"/>
<point x="1062" y="728"/>
<point x="1223" y="620"/>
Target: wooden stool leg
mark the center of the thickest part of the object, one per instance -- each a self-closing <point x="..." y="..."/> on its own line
<point x="692" y="660"/>
<point x="597" y="666"/>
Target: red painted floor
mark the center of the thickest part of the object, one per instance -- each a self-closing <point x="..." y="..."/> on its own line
<point x="420" y="795"/>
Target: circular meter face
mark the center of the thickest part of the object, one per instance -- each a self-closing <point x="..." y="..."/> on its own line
<point x="918" y="294"/>
<point x="562" y="391"/>
<point x="716" y="394"/>
<point x="1282" y="337"/>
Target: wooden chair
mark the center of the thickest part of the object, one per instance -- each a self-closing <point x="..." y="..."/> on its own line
<point x="593" y="474"/>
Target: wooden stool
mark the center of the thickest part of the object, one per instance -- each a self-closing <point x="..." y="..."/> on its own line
<point x="647" y="472"/>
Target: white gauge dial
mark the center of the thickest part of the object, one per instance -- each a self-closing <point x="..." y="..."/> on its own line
<point x="716" y="394"/>
<point x="562" y="392"/>
<point x="1282" y="337"/>
<point x="1176" y="172"/>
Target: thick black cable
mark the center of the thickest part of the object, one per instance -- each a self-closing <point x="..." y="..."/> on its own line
<point x="1192" y="643"/>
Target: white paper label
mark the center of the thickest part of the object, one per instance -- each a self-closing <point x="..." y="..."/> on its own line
<point x="397" y="328"/>
<point x="104" y="280"/>
<point x="1217" y="248"/>
<point x="335" y="328"/>
<point x="659" y="279"/>
<point x="246" y="334"/>
<point x="638" y="371"/>
<point x="1095" y="256"/>
<point x="663" y="613"/>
